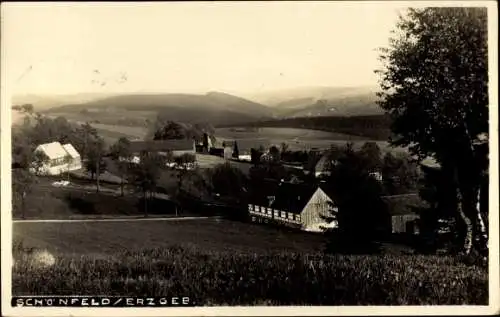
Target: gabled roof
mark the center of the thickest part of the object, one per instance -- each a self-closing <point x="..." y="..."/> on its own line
<point x="407" y="204"/>
<point x="71" y="150"/>
<point x="285" y="196"/>
<point x="53" y="150"/>
<point x="324" y="164"/>
<point x="161" y="145"/>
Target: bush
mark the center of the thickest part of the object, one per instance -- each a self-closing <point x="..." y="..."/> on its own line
<point x="225" y="278"/>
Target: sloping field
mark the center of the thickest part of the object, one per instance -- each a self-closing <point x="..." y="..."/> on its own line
<point x="207" y="234"/>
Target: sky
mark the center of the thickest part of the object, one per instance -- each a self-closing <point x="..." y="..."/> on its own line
<point x="193" y="47"/>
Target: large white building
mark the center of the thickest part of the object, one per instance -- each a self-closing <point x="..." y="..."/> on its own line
<point x="58" y="159"/>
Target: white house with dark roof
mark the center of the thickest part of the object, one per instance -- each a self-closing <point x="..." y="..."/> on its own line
<point x="59" y="158"/>
<point x="301" y="206"/>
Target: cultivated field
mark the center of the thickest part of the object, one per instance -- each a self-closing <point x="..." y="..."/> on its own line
<point x="296" y="139"/>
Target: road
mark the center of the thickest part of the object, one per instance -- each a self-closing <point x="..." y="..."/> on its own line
<point x="117" y="219"/>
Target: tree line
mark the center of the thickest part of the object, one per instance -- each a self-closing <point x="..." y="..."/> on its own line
<point x="375" y="127"/>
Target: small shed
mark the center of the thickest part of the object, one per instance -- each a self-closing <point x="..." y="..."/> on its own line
<point x="403" y="212"/>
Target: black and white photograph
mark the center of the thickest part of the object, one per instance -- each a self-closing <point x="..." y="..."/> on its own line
<point x="238" y="158"/>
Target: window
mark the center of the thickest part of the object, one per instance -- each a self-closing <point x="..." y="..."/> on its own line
<point x="297" y="217"/>
<point x="269" y="211"/>
<point x="276" y="213"/>
<point x="250" y="207"/>
<point x="283" y="214"/>
<point x="290" y="216"/>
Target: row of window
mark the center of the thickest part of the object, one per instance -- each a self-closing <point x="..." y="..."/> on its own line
<point x="269" y="212"/>
<point x="59" y="161"/>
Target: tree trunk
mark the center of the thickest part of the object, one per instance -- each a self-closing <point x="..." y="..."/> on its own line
<point x="482" y="229"/>
<point x="467" y="246"/>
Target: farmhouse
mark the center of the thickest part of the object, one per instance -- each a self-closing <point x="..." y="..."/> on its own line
<point x="59" y="159"/>
<point x="292" y="204"/>
<point x="162" y="147"/>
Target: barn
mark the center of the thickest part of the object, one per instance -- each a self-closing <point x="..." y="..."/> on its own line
<point x="299" y="205"/>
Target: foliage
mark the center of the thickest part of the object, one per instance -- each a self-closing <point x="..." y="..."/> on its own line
<point x="435" y="88"/>
<point x="372" y="154"/>
<point x="38" y="160"/>
<point x="361" y="214"/>
<point x="274" y="153"/>
<point x="228" y="278"/>
<point x="121" y="149"/>
<point x="121" y="153"/>
<point x="95" y="163"/>
<point x="183" y="163"/>
<point x="236" y="152"/>
<point x="400" y="174"/>
<point x="144" y="176"/>
<point x="283" y="150"/>
<point x="442" y="200"/>
<point x="171" y="130"/>
<point x="227" y="181"/>
<point x="22" y="184"/>
<point x="164" y="129"/>
<point x="255" y="156"/>
<point x="295" y="156"/>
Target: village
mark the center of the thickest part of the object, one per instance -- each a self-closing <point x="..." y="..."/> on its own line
<point x="242" y="180"/>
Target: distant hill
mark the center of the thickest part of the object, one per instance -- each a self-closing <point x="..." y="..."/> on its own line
<point x="320" y="101"/>
<point x="213" y="107"/>
<point x="356" y="105"/>
<point x="45" y="102"/>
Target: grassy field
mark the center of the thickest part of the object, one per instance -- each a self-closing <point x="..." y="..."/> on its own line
<point x="209" y="234"/>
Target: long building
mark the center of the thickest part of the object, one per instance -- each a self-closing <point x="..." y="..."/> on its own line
<point x="302" y="206"/>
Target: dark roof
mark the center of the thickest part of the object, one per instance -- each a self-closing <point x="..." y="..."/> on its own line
<point x="398" y="205"/>
<point x="287" y="196"/>
<point x="161" y="145"/>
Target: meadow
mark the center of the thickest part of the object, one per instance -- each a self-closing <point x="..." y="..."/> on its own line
<point x="80" y="238"/>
